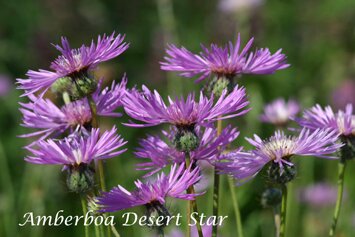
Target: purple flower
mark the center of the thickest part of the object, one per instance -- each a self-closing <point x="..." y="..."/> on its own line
<point x="74" y="62"/>
<point x="279" y="112"/>
<point x="44" y="115"/>
<point x="223" y="61"/>
<point x="279" y="149"/>
<point x="160" y="153"/>
<point x="343" y="122"/>
<point x="150" y="108"/>
<point x="77" y="149"/>
<point x="344" y="94"/>
<point x="152" y="193"/>
<point x="319" y="195"/>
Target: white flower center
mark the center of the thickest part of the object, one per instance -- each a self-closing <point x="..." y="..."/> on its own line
<point x="279" y="148"/>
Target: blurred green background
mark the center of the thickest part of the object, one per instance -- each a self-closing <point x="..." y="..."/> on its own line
<point x="317" y="36"/>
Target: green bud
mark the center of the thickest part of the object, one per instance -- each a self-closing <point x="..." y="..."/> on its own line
<point x="281" y="176"/>
<point x="80" y="178"/>
<point x="83" y="87"/>
<point x="219" y="84"/>
<point x="157" y="211"/>
<point x="271" y="197"/>
<point x="186" y="140"/>
<point x="62" y="85"/>
<point x="77" y="87"/>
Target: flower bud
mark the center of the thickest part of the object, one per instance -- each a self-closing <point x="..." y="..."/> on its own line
<point x="281" y="175"/>
<point x="219" y="84"/>
<point x="62" y="85"/>
<point x="186" y="140"/>
<point x="80" y="178"/>
<point x="157" y="216"/>
<point x="271" y="197"/>
<point x="77" y="87"/>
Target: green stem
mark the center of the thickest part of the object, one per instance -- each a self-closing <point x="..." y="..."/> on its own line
<point x="192" y="205"/>
<point x="66" y="98"/>
<point x="97" y="231"/>
<point x="216" y="187"/>
<point x="341" y="172"/>
<point x="283" y="211"/>
<point x="115" y="232"/>
<point x="238" y="218"/>
<point x="100" y="168"/>
<point x="83" y="205"/>
<point x="277" y="220"/>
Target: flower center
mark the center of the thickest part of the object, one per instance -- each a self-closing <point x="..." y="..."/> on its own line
<point x="279" y="148"/>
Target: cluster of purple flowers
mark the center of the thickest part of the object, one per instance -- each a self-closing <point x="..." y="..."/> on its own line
<point x="69" y="133"/>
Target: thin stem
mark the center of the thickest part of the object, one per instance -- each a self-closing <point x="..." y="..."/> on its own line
<point x="192" y="205"/>
<point x="100" y="168"/>
<point x="277" y="220"/>
<point x="283" y="211"/>
<point x="97" y="231"/>
<point x="66" y="98"/>
<point x="161" y="232"/>
<point x="238" y="218"/>
<point x="114" y="231"/>
<point x="216" y="187"/>
<point x="188" y="215"/>
<point x="83" y="205"/>
<point x="341" y="172"/>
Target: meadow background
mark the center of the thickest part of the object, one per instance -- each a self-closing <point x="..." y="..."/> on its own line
<point x="318" y="37"/>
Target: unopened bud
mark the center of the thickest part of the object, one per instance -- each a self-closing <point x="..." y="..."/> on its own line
<point x="219" y="84"/>
<point x="76" y="87"/>
<point x="281" y="175"/>
<point x="159" y="213"/>
<point x="271" y="197"/>
<point x="80" y="178"/>
<point x="186" y="140"/>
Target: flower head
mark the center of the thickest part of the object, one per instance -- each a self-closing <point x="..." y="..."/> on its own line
<point x="225" y="61"/>
<point x="279" y="149"/>
<point x="279" y="112"/>
<point x="77" y="149"/>
<point x="343" y="122"/>
<point x="44" y="115"/>
<point x="74" y="62"/>
<point x="150" y="108"/>
<point x="152" y="193"/>
<point x="160" y="153"/>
